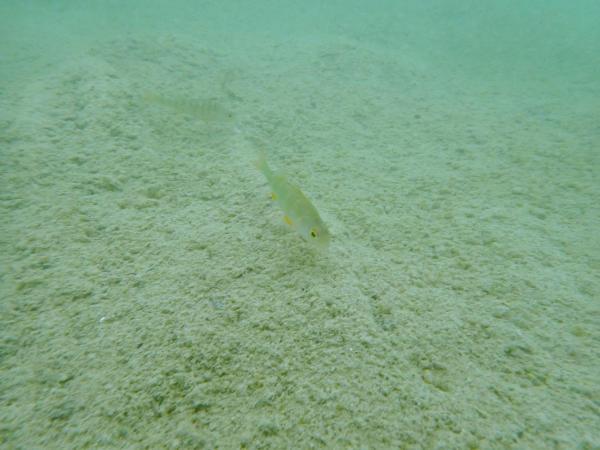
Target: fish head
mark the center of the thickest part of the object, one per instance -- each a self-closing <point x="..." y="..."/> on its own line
<point x="318" y="235"/>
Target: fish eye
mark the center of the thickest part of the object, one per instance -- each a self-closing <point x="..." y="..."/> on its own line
<point x="313" y="233"/>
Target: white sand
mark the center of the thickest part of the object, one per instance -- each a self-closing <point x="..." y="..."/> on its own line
<point x="151" y="295"/>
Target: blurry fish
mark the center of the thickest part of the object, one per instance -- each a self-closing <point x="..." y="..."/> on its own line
<point x="299" y="212"/>
<point x="208" y="110"/>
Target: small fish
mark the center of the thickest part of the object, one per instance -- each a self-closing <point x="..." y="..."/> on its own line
<point x="208" y="110"/>
<point x="299" y="212"/>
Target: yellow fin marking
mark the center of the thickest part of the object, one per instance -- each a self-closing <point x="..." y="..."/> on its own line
<point x="273" y="196"/>
<point x="288" y="220"/>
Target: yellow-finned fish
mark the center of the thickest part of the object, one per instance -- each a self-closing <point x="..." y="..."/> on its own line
<point x="299" y="212"/>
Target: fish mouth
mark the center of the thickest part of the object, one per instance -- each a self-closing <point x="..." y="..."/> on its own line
<point x="322" y="242"/>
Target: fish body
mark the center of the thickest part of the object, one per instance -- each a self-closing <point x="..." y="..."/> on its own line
<point x="299" y="212"/>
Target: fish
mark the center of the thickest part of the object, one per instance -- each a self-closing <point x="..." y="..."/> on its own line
<point x="299" y="212"/>
<point x="208" y="110"/>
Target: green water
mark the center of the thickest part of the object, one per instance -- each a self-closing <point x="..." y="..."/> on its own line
<point x="151" y="296"/>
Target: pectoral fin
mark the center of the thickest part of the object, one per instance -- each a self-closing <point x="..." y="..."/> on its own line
<point x="287" y="220"/>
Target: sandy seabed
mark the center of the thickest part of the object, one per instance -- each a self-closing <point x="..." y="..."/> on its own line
<point x="151" y="295"/>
